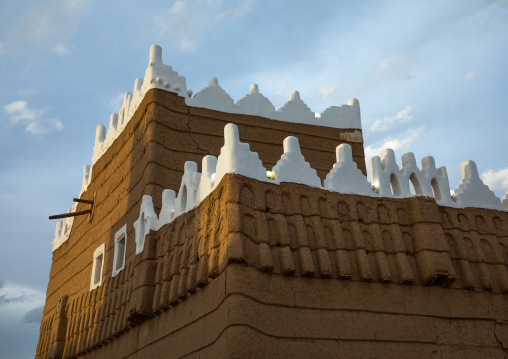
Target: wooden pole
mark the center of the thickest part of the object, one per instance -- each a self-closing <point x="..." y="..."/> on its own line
<point x="72" y="214"/>
<point x="79" y="200"/>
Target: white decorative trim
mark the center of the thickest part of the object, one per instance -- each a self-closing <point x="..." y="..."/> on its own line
<point x="98" y="261"/>
<point x="147" y="221"/>
<point x="120" y="250"/>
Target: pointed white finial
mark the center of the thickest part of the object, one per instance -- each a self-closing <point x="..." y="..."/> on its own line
<point x="213" y="81"/>
<point x="254" y="88"/>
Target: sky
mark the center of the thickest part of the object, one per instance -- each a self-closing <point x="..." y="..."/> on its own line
<point x="431" y="77"/>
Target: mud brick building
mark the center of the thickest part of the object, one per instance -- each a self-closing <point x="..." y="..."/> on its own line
<point x="301" y="261"/>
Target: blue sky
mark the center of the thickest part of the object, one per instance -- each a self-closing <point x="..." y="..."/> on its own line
<point x="431" y="78"/>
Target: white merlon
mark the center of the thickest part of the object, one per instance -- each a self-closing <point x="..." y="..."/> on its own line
<point x="236" y="157"/>
<point x="472" y="192"/>
<point x="188" y="188"/>
<point x="100" y="137"/>
<point x="63" y="229"/>
<point x="295" y="110"/>
<point x="411" y="175"/>
<point x="137" y="96"/>
<point x="438" y="180"/>
<point x="146" y="221"/>
<point x="505" y="201"/>
<point x="385" y="175"/>
<point x="256" y="104"/>
<point x="345" y="177"/>
<point x="212" y="97"/>
<point x="161" y="76"/>
<point x="123" y="114"/>
<point x="112" y="131"/>
<point x="292" y="166"/>
<point x="86" y="179"/>
<point x="348" y="115"/>
<point x="168" y="207"/>
<point x="209" y="167"/>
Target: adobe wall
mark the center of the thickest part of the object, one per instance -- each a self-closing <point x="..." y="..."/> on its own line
<point x="146" y="158"/>
<point x="303" y="272"/>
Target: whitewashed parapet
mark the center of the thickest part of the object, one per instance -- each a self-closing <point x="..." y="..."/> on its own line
<point x="345" y="177"/>
<point x="63" y="229"/>
<point x="292" y="166"/>
<point x="472" y="192"/>
<point x="161" y="76"/>
<point x="146" y="222"/>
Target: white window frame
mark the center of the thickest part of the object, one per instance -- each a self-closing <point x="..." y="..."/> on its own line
<point x="121" y="233"/>
<point x="100" y="251"/>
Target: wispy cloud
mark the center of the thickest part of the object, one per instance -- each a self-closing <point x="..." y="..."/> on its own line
<point x="496" y="180"/>
<point x="396" y="144"/>
<point x="116" y="102"/>
<point x="25" y="92"/>
<point x="470" y="75"/>
<point x="404" y="116"/>
<point x="34" y="120"/>
<point x="187" y="23"/>
<point x="43" y="26"/>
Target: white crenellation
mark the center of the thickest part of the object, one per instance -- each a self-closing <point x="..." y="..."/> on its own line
<point x="236" y="157"/>
<point x="167" y="213"/>
<point x="188" y="188"/>
<point x="472" y="192"/>
<point x="63" y="229"/>
<point x="505" y="201"/>
<point x="348" y="115"/>
<point x="292" y="166"/>
<point x="146" y="221"/>
<point x="86" y="179"/>
<point x="213" y="97"/>
<point x="100" y="137"/>
<point x="161" y="76"/>
<point x="112" y="131"/>
<point x="386" y="177"/>
<point x="411" y="174"/>
<point x="123" y="114"/>
<point x="295" y="110"/>
<point x="207" y="180"/>
<point x="437" y="178"/>
<point x="345" y="177"/>
<point x="256" y="104"/>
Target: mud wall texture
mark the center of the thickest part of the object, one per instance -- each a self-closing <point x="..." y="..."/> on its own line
<point x="264" y="270"/>
<point x="146" y="158"/>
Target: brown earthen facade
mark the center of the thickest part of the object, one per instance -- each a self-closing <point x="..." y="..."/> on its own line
<point x="265" y="270"/>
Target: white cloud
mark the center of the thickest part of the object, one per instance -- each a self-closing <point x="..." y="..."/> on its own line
<point x="116" y="102"/>
<point x="60" y="50"/>
<point x="470" y="75"/>
<point x="396" y="144"/>
<point x="20" y="111"/>
<point x="25" y="92"/>
<point x="405" y="115"/>
<point x="43" y="26"/>
<point x="496" y="180"/>
<point x="187" y="23"/>
<point x="285" y="86"/>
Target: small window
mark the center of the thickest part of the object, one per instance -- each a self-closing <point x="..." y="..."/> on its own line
<point x="120" y="245"/>
<point x="98" y="265"/>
